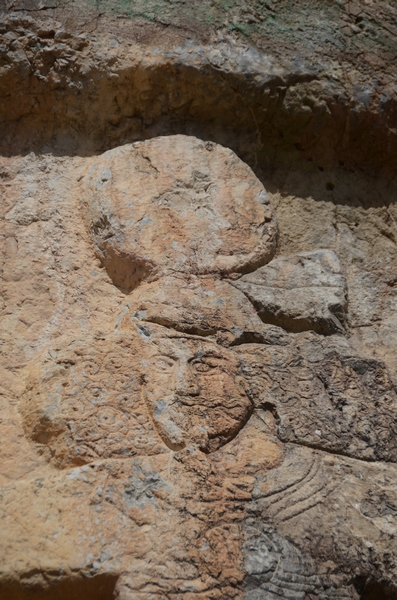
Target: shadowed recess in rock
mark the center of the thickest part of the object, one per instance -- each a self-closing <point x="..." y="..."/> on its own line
<point x="44" y="586"/>
<point x="270" y="107"/>
<point x="378" y="591"/>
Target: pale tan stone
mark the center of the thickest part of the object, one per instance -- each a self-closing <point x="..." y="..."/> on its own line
<point x="176" y="204"/>
<point x="83" y="401"/>
<point x="306" y="291"/>
<point x="133" y="393"/>
<point x="150" y="452"/>
<point x="201" y="306"/>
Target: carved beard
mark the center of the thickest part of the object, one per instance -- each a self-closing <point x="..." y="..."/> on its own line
<point x="205" y="420"/>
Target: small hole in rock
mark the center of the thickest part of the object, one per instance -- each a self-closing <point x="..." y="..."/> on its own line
<point x="330" y="186"/>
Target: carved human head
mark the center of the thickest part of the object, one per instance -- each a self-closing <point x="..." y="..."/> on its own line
<point x="194" y="392"/>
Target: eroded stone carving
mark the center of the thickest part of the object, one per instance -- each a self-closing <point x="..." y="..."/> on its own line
<point x="275" y="567"/>
<point x="119" y="395"/>
<point x="198" y="305"/>
<point x="83" y="401"/>
<point x="195" y="392"/>
<point x="176" y="204"/>
<point x="302" y="292"/>
<point x="214" y="407"/>
<point x="324" y="396"/>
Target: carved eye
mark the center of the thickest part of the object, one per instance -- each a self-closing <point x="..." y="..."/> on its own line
<point x="202" y="367"/>
<point x="162" y="363"/>
<point x="206" y="365"/>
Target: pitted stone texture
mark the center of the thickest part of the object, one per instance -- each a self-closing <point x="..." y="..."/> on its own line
<point x="210" y="513"/>
<point x="301" y="292"/>
<point x="176" y="204"/>
<point x="157" y="526"/>
<point x="91" y="523"/>
<point x="325" y="396"/>
<point x="201" y="306"/>
<point x="83" y="401"/>
<point x="131" y="393"/>
<point x="343" y="515"/>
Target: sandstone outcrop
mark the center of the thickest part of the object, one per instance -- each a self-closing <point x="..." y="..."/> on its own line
<point x="302" y="292"/>
<point x="176" y="204"/>
<point x="198" y="367"/>
<point x="199" y="305"/>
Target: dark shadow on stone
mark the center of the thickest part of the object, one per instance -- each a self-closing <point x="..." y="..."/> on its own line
<point x="39" y="586"/>
<point x="323" y="326"/>
<point x="125" y="271"/>
<point x="274" y="129"/>
<point x="378" y="591"/>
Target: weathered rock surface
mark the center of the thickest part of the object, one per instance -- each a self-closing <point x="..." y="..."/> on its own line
<point x="298" y="293"/>
<point x="315" y="502"/>
<point x="94" y="79"/>
<point x="145" y="527"/>
<point x="83" y="401"/>
<point x="201" y="306"/>
<point x="192" y="433"/>
<point x="121" y="394"/>
<point x="176" y="204"/>
<point x="324" y="396"/>
<point x="204" y="446"/>
<point x="228" y="524"/>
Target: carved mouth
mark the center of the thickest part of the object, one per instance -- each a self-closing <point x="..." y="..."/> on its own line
<point x="189" y="400"/>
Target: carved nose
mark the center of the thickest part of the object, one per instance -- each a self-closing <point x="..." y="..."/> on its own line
<point x="186" y="384"/>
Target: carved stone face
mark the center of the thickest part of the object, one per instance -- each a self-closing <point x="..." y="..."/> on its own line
<point x="194" y="393"/>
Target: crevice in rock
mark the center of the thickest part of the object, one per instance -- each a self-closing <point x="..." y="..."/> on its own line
<point x="268" y="406"/>
<point x="295" y="325"/>
<point x="181" y="327"/>
<point x="126" y="274"/>
<point x="319" y="448"/>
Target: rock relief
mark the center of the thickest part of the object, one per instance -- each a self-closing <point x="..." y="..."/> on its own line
<point x="176" y="205"/>
<point x="233" y="328"/>
<point x="219" y="349"/>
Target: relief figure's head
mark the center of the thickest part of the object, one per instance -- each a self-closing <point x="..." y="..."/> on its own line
<point x="194" y="392"/>
<point x="176" y="204"/>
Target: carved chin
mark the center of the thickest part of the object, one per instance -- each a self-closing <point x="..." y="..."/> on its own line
<point x="206" y="421"/>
